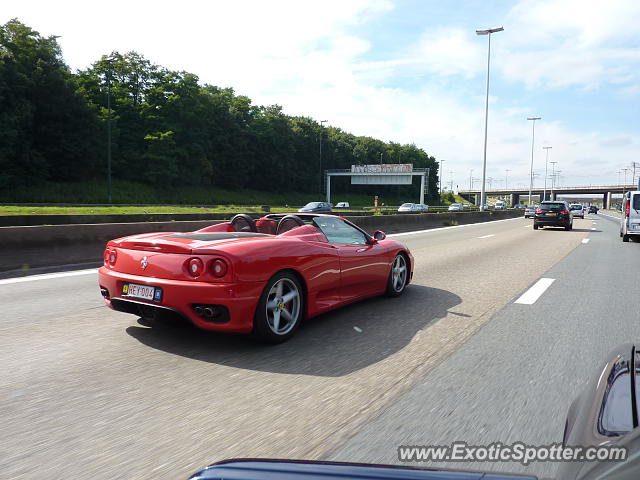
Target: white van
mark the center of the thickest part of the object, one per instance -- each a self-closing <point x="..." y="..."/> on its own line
<point x="500" y="205"/>
<point x="630" y="222"/>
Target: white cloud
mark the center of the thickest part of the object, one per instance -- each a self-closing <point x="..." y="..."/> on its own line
<point x="560" y="43"/>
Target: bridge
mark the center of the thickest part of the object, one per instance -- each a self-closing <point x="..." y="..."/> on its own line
<point x="515" y="194"/>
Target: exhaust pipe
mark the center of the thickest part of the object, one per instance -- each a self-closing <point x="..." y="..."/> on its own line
<point x="199" y="311"/>
<point x="208" y="311"/>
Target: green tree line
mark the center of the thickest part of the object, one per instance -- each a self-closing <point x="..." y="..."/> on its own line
<point x="168" y="130"/>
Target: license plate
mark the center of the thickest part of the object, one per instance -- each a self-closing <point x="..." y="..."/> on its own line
<point x="635" y="227"/>
<point x="552" y="214"/>
<point x="144" y="292"/>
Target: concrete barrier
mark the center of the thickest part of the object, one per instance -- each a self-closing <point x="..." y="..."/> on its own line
<point x="51" y="245"/>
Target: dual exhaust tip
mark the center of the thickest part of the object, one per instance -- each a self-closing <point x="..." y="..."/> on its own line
<point x="208" y="312"/>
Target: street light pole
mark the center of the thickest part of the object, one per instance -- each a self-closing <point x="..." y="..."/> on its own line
<point x="109" y="61"/>
<point x="471" y="179"/>
<point x="533" y="139"/>
<point x="553" y="178"/>
<point x="487" y="32"/>
<point x="624" y="186"/>
<point x="506" y="178"/>
<point x="441" y="175"/>
<point x="545" y="172"/>
<point x="321" y="129"/>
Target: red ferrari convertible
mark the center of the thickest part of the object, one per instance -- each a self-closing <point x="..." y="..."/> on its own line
<point x="253" y="276"/>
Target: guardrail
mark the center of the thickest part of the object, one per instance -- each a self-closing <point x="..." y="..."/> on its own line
<point x="23" y="247"/>
<point x="34" y="220"/>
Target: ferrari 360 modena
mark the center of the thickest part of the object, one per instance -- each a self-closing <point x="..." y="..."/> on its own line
<point x="259" y="276"/>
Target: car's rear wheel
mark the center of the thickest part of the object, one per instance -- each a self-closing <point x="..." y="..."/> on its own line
<point x="569" y="227"/>
<point x="398" y="276"/>
<point x="625" y="238"/>
<point x="280" y="309"/>
<point x="535" y="227"/>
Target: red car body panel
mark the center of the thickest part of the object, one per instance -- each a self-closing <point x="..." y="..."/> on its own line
<point x="332" y="275"/>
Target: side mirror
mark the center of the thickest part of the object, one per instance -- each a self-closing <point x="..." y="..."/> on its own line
<point x="379" y="235"/>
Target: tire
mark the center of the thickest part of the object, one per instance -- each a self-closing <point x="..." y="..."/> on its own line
<point x="268" y="326"/>
<point x="625" y="238"/>
<point x="569" y="227"/>
<point x="398" y="276"/>
<point x="535" y="227"/>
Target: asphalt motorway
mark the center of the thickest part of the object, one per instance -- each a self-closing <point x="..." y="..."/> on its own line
<point x="88" y="392"/>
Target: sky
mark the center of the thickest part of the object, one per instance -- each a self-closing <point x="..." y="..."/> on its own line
<point x="408" y="71"/>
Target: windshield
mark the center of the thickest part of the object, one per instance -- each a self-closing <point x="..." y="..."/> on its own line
<point x="576" y="207"/>
<point x="312" y="205"/>
<point x="552" y="206"/>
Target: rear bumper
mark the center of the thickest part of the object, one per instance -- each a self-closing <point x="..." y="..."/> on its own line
<point x="552" y="221"/>
<point x="240" y="299"/>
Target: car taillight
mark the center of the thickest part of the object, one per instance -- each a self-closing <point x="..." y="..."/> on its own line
<point x="627" y="209"/>
<point x="539" y="210"/>
<point x="564" y="211"/>
<point x="106" y="256"/>
<point x="195" y="267"/>
<point x="112" y="257"/>
<point x="219" y="268"/>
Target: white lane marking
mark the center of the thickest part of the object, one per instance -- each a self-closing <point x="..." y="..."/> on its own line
<point x="593" y="228"/>
<point x="617" y="217"/>
<point x="487" y="236"/>
<point x="585" y="240"/>
<point x="537" y="289"/>
<point x="439" y="229"/>
<point x="48" y="276"/>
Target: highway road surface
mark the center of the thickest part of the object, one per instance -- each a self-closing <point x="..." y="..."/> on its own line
<point x="86" y="392"/>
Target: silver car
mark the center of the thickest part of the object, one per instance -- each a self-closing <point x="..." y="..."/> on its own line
<point x="577" y="209"/>
<point x="408" y="208"/>
<point x="455" y="207"/>
<point x="530" y="211"/>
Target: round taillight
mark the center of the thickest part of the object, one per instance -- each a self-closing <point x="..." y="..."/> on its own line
<point x="196" y="267"/>
<point x="106" y="256"/>
<point x="219" y="268"/>
<point x="113" y="256"/>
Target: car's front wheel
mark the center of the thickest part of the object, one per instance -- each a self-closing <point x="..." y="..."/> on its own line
<point x="398" y="276"/>
<point x="280" y="309"/>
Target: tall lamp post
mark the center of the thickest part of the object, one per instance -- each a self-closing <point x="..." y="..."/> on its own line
<point x="109" y="61"/>
<point x="320" y="165"/>
<point x="487" y="32"/>
<point x="533" y="139"/>
<point x="624" y="186"/>
<point x="471" y="179"/>
<point x="506" y="178"/>
<point x="441" y="175"/>
<point x="553" y="178"/>
<point x="546" y="163"/>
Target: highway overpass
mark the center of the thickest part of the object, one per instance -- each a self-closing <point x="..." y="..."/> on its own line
<point x="520" y="195"/>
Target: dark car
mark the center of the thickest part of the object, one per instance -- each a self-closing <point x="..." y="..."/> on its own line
<point x="553" y="214"/>
<point x="593" y="209"/>
<point x="316" y="207"/>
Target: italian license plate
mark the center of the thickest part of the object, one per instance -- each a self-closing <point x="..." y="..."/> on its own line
<point x="144" y="292"/>
<point x="552" y="214"/>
